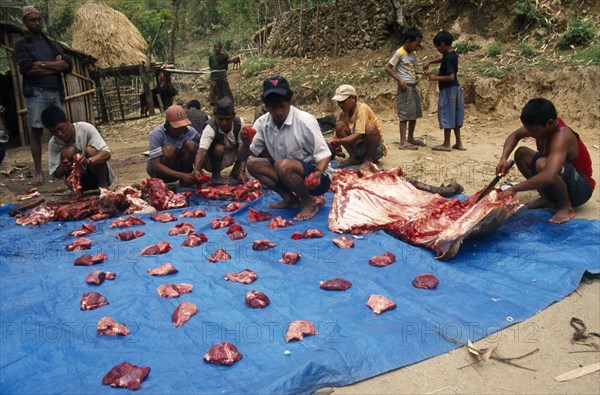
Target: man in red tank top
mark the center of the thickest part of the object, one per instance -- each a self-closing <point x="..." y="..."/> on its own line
<point x="561" y="168"/>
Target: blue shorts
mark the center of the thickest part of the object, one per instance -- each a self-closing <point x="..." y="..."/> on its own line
<point x="308" y="169"/>
<point x="451" y="107"/>
<point x="578" y="187"/>
<point x="361" y="151"/>
<point x="42" y="98"/>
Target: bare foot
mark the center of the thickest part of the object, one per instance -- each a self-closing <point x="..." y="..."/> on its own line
<point x="284" y="204"/>
<point x="539" y="203"/>
<point x="417" y="142"/>
<point x="309" y="211"/>
<point x="562" y="215"/>
<point x="38" y="179"/>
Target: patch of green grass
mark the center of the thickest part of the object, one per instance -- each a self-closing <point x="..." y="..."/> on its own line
<point x="579" y="33"/>
<point x="464" y="47"/>
<point x="527" y="50"/>
<point x="589" y="56"/>
<point x="494" y="49"/>
<point x="254" y="66"/>
<point x="490" y="69"/>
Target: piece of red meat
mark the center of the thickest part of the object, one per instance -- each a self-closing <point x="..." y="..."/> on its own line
<point x="260" y="245"/>
<point x="247" y="134"/>
<point x="387" y="258"/>
<point x="126" y="375"/>
<point x="379" y="304"/>
<point x="74" y="178"/>
<point x="335" y="284"/>
<point x="88" y="259"/>
<point x="312" y="181"/>
<point x="257" y="300"/>
<point x="183" y="228"/>
<point x="194" y="240"/>
<point x="193" y="214"/>
<point x="84" y="230"/>
<point x="246" y="276"/>
<point x="233" y="207"/>
<point x="385" y="200"/>
<point x="217" y="223"/>
<point x="240" y="192"/>
<point x="183" y="313"/>
<point x="126" y="221"/>
<point x="307" y="234"/>
<point x="219" y="255"/>
<point x="161" y="247"/>
<point x="162" y="270"/>
<point x="234" y="228"/>
<point x="298" y="329"/>
<point x="109" y="327"/>
<point x="80" y="244"/>
<point x="173" y="290"/>
<point x="97" y="277"/>
<point x="92" y="300"/>
<point x="237" y="235"/>
<point x="257" y="216"/>
<point x="223" y="354"/>
<point x="279" y="222"/>
<point x="290" y="258"/>
<point x="129" y="235"/>
<point x="163" y="217"/>
<point x="344" y="242"/>
<point x="35" y="217"/>
<point x="156" y="192"/>
<point x="426" y="281"/>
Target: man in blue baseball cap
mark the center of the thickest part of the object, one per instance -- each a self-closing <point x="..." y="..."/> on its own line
<point x="291" y="156"/>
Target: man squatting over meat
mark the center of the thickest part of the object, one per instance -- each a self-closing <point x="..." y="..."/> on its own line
<point x="358" y="129"/>
<point x="69" y="139"/>
<point x="560" y="169"/>
<point x="173" y="147"/>
<point x="220" y="142"/>
<point x="294" y="157"/>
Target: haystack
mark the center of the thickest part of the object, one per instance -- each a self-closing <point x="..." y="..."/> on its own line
<point x="108" y="35"/>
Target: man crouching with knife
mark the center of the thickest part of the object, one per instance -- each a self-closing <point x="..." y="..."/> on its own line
<point x="560" y="169"/>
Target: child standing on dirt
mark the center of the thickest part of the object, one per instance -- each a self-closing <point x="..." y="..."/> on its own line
<point x="402" y="67"/>
<point x="451" y="101"/>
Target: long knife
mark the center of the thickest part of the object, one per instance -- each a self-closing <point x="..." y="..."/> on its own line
<point x="494" y="182"/>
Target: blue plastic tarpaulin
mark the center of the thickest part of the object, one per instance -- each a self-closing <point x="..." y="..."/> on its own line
<point x="49" y="345"/>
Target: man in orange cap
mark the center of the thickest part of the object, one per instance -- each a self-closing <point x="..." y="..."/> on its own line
<point x="173" y="147"/>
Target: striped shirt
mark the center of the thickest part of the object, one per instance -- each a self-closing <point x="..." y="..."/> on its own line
<point x="405" y="65"/>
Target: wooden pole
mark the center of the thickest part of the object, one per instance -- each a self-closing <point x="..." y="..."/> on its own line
<point x="301" y="46"/>
<point x="101" y="100"/>
<point x="119" y="97"/>
<point x="19" y="100"/>
<point x="80" y="94"/>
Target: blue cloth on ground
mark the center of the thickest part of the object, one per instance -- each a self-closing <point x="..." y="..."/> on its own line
<point x="49" y="345"/>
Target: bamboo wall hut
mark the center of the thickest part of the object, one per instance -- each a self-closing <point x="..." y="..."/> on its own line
<point x="79" y="86"/>
<point x="122" y="69"/>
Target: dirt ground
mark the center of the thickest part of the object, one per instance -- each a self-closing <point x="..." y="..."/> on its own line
<point x="483" y="137"/>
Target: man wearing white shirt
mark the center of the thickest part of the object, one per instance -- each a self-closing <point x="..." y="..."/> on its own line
<point x="68" y="140"/>
<point x="290" y="154"/>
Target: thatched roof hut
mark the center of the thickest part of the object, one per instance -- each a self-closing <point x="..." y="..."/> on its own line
<point x="121" y="73"/>
<point x="78" y="85"/>
<point x="108" y="35"/>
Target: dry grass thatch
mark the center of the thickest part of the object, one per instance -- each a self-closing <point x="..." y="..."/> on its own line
<point x="107" y="35"/>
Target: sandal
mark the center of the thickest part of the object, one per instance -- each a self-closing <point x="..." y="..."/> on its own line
<point x="409" y="146"/>
<point x="441" y="148"/>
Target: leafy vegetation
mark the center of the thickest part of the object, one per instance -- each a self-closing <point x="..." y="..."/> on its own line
<point x="527" y="50"/>
<point x="254" y="66"/>
<point x="490" y="69"/>
<point x="494" y="49"/>
<point x="579" y="33"/>
<point x="589" y="56"/>
<point x="525" y="11"/>
<point x="464" y="47"/>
